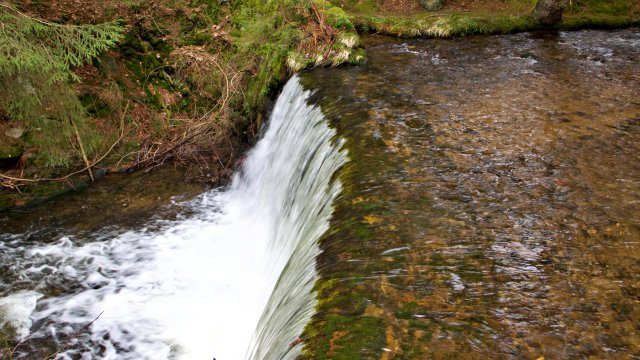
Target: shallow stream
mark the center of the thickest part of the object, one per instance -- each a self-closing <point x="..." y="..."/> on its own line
<point x="490" y="208"/>
<point x="493" y="203"/>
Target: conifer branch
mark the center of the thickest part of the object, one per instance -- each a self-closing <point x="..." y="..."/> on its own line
<point x="37" y="58"/>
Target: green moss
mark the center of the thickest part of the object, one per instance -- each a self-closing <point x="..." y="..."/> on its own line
<point x="35" y="193"/>
<point x="595" y="22"/>
<point x="609" y="7"/>
<point x="357" y="57"/>
<point x="10" y="148"/>
<point x="516" y="18"/>
<point x="346" y="338"/>
<point x="195" y="27"/>
<point x="420" y="325"/>
<point x="445" y="26"/>
<point x="94" y="105"/>
<point x="357" y="6"/>
<point x="145" y="51"/>
<point x="407" y="311"/>
<point x="197" y="39"/>
<point x="336" y="17"/>
<point x="268" y="37"/>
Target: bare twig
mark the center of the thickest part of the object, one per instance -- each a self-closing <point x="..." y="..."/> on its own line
<point x="328" y="30"/>
<point x="84" y="154"/>
<point x="88" y="167"/>
<point x="73" y="336"/>
<point x="7" y="6"/>
<point x="51" y="356"/>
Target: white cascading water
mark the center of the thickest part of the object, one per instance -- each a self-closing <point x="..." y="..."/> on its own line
<point x="233" y="281"/>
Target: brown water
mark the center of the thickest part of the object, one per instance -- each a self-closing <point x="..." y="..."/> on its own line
<point x="118" y="200"/>
<point x="493" y="208"/>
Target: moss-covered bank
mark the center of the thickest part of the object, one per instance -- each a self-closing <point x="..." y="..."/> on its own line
<point x="460" y="18"/>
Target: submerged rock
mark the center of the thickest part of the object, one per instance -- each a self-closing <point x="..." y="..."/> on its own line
<point x="432" y="5"/>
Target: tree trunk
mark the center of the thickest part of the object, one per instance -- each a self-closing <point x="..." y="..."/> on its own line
<point x="549" y="12"/>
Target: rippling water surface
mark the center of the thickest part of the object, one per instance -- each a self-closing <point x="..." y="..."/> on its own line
<point x="493" y="204"/>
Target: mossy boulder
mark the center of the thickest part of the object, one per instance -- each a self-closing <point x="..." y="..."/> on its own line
<point x="432" y="5"/>
<point x="11" y="143"/>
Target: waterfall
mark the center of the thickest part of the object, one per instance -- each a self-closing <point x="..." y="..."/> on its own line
<point x="231" y="280"/>
<point x="293" y="163"/>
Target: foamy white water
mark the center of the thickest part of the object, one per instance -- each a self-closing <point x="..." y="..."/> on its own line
<point x="15" y="312"/>
<point x="205" y="286"/>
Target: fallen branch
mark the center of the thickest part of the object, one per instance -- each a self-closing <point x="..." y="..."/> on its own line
<point x="63" y="178"/>
<point x="73" y="336"/>
<point x="186" y="141"/>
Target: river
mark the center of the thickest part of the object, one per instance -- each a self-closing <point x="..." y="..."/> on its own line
<point x="462" y="198"/>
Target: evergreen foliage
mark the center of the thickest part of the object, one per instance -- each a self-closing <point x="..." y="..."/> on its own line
<point x="36" y="61"/>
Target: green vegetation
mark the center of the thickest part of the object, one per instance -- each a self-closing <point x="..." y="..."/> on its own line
<point x="485" y="17"/>
<point x="601" y="14"/>
<point x="186" y="80"/>
<point x="280" y="38"/>
<point x="35" y="46"/>
<point x="347" y="334"/>
<point x="36" y="58"/>
<point x="447" y="26"/>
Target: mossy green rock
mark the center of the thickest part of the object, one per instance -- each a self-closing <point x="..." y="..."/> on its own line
<point x="432" y="5"/>
<point x="11" y="145"/>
